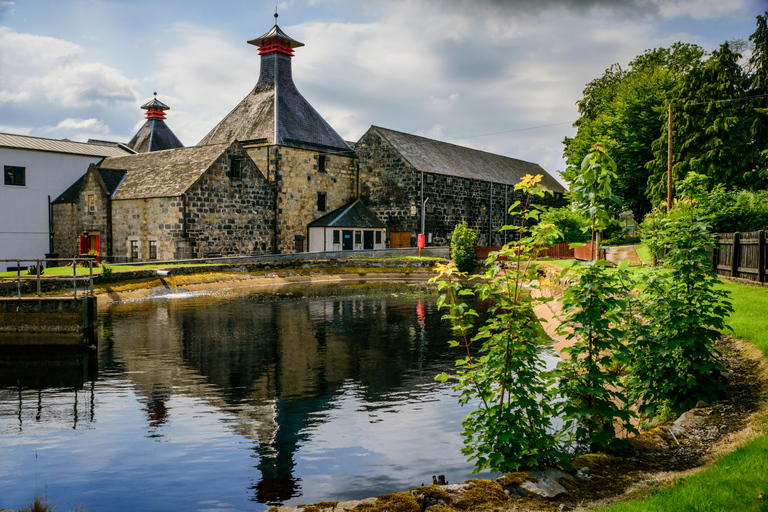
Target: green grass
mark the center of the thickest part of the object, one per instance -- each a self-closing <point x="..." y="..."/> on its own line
<point x="734" y="482"/>
<point x="67" y="271"/>
<point x="750" y="304"/>
<point x="644" y="253"/>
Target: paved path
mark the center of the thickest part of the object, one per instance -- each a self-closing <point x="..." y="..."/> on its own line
<point x="623" y="252"/>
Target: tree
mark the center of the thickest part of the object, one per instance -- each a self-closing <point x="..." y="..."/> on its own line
<point x="711" y="127"/>
<point x="512" y="425"/>
<point x="622" y="111"/>
<point x="591" y="190"/>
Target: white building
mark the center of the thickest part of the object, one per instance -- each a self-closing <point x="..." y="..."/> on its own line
<point x="36" y="170"/>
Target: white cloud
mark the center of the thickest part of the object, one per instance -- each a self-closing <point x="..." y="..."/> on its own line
<point x="40" y="67"/>
<point x="710" y="9"/>
<point x="91" y="124"/>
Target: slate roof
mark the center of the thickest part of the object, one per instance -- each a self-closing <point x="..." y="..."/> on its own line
<point x="351" y="215"/>
<point x="275" y="32"/>
<point x="110" y="177"/>
<point x="154" y="135"/>
<point x="167" y="173"/>
<point x="437" y="157"/>
<point x="13" y="141"/>
<point x="276" y="113"/>
<point x="155" y="104"/>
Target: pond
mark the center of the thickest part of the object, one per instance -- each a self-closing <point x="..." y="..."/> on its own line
<point x="236" y="400"/>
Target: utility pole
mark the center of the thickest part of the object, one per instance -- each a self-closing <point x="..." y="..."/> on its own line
<point x="669" y="159"/>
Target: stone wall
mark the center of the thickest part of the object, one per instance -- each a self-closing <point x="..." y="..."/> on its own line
<point x="91" y="213"/>
<point x="392" y="188"/>
<point x="298" y="181"/>
<point x="217" y="216"/>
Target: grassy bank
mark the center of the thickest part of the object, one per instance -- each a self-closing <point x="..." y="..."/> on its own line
<point x="735" y="481"/>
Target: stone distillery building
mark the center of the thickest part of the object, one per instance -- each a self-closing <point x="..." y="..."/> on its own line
<point x="273" y="174"/>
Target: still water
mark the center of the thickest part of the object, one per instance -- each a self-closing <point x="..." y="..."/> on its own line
<point x="236" y="400"/>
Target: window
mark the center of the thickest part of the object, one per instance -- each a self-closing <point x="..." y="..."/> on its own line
<point x="378" y="237"/>
<point x="236" y="167"/>
<point x="15" y="176"/>
<point x="449" y="180"/>
<point x="322" y="163"/>
<point x="134" y="250"/>
<point x="152" y="250"/>
<point x="336" y="236"/>
<point x="358" y="237"/>
<point x="321" y="201"/>
<point x="91" y="203"/>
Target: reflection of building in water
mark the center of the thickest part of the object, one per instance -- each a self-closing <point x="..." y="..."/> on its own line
<point x="273" y="364"/>
<point x="31" y="382"/>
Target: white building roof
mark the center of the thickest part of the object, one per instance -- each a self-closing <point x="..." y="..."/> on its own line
<point x="13" y="141"/>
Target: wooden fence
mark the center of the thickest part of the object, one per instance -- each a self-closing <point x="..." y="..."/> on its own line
<point x="556" y="251"/>
<point x="740" y="255"/>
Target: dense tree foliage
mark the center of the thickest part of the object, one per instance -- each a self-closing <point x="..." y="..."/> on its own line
<point x="720" y="119"/>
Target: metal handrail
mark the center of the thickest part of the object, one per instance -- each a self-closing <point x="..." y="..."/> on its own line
<point x="38" y="273"/>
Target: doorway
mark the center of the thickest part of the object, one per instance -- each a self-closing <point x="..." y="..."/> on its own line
<point x="346" y="240"/>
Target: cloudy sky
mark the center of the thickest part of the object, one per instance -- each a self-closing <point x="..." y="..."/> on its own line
<point x="497" y="75"/>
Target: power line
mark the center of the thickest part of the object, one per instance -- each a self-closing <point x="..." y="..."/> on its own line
<point x="745" y="98"/>
<point x="510" y="131"/>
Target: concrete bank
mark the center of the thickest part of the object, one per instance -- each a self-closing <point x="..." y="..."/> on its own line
<point x="47" y="320"/>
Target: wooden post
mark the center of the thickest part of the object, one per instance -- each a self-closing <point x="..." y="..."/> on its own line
<point x="761" y="257"/>
<point x="735" y="256"/>
<point x="669" y="160"/>
<point x="38" y="277"/>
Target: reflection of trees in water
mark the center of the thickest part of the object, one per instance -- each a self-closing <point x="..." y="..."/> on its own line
<point x="276" y="363"/>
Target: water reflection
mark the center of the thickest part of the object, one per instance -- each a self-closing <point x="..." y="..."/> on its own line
<point x="329" y="393"/>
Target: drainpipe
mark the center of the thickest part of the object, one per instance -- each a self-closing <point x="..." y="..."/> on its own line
<point x="490" y="217"/>
<point x="275" y="188"/>
<point x="422" y="202"/>
<point x="50" y="226"/>
<point x="506" y="212"/>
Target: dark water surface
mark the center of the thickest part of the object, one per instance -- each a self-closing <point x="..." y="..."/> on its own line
<point x="236" y="400"/>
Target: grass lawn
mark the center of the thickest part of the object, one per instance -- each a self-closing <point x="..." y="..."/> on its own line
<point x="67" y="271"/>
<point x="734" y="482"/>
<point x="644" y="253"/>
<point x="750" y="304"/>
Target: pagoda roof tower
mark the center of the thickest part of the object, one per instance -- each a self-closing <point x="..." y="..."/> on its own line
<point x="275" y="112"/>
<point x="154" y="135"/>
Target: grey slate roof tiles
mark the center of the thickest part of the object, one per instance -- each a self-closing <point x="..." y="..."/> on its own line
<point x="276" y="112"/>
<point x="110" y="177"/>
<point x="167" y="173"/>
<point x="154" y="135"/>
<point x="351" y="215"/>
<point x="437" y="157"/>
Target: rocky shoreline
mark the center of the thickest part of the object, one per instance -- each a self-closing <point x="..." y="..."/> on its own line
<point x="650" y="460"/>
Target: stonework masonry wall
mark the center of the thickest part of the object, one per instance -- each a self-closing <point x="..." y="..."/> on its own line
<point x="392" y="188"/>
<point x="217" y="216"/>
<point x="298" y="181"/>
<point x="230" y="216"/>
<point x="91" y="213"/>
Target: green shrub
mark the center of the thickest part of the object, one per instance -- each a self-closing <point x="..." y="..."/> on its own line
<point x="676" y="360"/>
<point x="463" y="247"/>
<point x="512" y="425"/>
<point x="106" y="272"/>
<point x="597" y="307"/>
<point x="571" y="224"/>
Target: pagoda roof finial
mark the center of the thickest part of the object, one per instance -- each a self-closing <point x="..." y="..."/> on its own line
<point x="275" y="41"/>
<point x="155" y="108"/>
